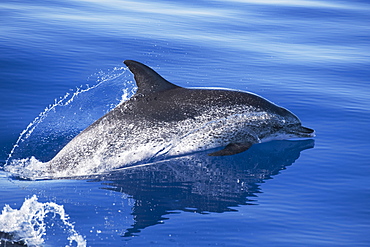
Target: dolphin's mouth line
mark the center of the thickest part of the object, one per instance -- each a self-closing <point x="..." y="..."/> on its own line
<point x="303" y="132"/>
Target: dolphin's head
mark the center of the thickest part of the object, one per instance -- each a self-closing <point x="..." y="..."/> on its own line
<point x="287" y="126"/>
<point x="292" y="126"/>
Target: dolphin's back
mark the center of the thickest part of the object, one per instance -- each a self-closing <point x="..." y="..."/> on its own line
<point x="180" y="103"/>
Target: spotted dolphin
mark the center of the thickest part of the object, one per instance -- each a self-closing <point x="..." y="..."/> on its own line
<point x="165" y="120"/>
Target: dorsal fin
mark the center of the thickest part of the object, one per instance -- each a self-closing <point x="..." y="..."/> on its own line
<point x="147" y="80"/>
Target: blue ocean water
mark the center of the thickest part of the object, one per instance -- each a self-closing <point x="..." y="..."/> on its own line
<point x="61" y="69"/>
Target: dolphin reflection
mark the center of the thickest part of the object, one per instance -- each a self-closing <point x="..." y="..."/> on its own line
<point x="200" y="183"/>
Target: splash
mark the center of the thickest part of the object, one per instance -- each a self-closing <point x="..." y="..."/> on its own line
<point x="27" y="168"/>
<point x="67" y="116"/>
<point x="28" y="225"/>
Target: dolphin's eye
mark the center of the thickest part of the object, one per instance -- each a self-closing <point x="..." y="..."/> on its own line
<point x="293" y="126"/>
<point x="277" y="127"/>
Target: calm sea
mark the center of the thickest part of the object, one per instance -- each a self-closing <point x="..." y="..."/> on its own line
<point x="61" y="69"/>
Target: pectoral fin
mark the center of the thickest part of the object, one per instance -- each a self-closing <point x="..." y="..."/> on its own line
<point x="232" y="148"/>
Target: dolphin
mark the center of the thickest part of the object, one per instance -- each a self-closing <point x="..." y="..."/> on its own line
<point x="165" y="120"/>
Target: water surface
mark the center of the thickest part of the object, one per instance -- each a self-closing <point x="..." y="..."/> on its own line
<point x="311" y="57"/>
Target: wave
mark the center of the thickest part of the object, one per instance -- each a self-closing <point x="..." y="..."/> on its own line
<point x="28" y="225"/>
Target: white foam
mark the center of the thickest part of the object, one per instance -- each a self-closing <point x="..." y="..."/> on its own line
<point x="28" y="168"/>
<point x="28" y="223"/>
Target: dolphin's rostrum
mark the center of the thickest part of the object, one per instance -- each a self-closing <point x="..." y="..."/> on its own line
<point x="166" y="120"/>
